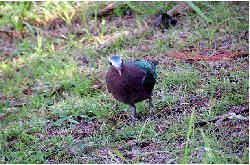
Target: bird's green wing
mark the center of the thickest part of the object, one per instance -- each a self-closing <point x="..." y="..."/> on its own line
<point x="151" y="74"/>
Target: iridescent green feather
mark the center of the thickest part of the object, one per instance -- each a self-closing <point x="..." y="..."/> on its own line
<point x="151" y="73"/>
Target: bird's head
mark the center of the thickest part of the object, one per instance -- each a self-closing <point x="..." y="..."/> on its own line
<point x="116" y="61"/>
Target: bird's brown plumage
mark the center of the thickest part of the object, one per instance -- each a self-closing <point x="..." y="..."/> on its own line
<point x="127" y="88"/>
<point x="132" y="86"/>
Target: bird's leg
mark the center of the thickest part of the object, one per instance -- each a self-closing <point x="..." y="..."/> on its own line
<point x="150" y="105"/>
<point x="133" y="113"/>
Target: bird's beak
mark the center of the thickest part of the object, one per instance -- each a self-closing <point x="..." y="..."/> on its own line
<point x="120" y="73"/>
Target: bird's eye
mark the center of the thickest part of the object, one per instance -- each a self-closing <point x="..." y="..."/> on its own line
<point x="110" y="63"/>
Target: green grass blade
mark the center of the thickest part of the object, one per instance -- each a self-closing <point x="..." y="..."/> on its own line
<point x="184" y="159"/>
<point x="191" y="4"/>
<point x="143" y="127"/>
<point x="140" y="11"/>
<point x="83" y="19"/>
<point x="113" y="157"/>
<point x="118" y="153"/>
<point x="30" y="28"/>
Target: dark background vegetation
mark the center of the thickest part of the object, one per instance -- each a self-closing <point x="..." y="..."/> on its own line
<point x="54" y="106"/>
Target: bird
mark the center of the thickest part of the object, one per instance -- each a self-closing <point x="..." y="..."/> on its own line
<point x="131" y="82"/>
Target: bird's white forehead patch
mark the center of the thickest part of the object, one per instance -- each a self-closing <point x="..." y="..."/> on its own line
<point x="116" y="61"/>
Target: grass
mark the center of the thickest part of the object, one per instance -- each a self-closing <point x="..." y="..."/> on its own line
<point x="55" y="107"/>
